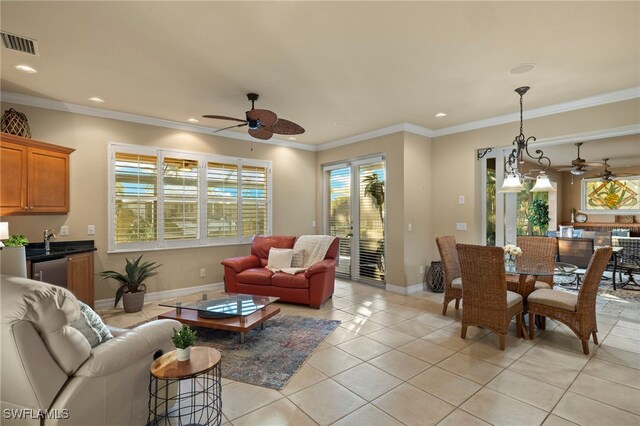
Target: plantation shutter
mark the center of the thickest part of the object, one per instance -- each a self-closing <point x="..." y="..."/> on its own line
<point x="340" y="215"/>
<point x="222" y="200"/>
<point x="135" y="198"/>
<point x="255" y="194"/>
<point x="181" y="204"/>
<point x="372" y="238"/>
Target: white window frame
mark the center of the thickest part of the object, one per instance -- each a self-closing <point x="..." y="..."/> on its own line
<point x="203" y="160"/>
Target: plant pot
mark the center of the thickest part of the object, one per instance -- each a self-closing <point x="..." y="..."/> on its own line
<point x="183" y="354"/>
<point x="133" y="302"/>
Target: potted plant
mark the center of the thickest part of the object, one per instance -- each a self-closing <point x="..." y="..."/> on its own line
<point x="13" y="255"/>
<point x="539" y="215"/>
<point x="132" y="287"/>
<point x="183" y="339"/>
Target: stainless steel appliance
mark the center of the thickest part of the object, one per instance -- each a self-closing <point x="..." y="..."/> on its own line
<point x="50" y="271"/>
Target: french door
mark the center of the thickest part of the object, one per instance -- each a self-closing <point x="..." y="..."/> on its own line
<point x="355" y="212"/>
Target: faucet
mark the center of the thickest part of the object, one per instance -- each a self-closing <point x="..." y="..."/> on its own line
<point x="48" y="235"/>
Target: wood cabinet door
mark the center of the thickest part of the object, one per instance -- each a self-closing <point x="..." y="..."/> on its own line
<point x="48" y="181"/>
<point x="13" y="178"/>
<point x="80" y="276"/>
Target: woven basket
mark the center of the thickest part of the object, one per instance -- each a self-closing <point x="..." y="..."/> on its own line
<point x="15" y="123"/>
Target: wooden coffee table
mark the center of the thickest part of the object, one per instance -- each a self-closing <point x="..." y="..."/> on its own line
<point x="239" y="313"/>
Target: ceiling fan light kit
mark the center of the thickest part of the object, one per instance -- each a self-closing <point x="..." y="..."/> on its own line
<point x="262" y="123"/>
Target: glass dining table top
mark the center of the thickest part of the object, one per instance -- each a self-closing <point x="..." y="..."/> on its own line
<point x="539" y="270"/>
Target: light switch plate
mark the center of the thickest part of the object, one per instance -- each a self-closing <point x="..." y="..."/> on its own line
<point x="64" y="231"/>
<point x="91" y="230"/>
<point x="461" y="199"/>
<point x="461" y="226"/>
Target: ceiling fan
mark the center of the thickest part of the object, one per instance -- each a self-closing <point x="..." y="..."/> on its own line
<point x="579" y="166"/>
<point x="607" y="175"/>
<point x="262" y="122"/>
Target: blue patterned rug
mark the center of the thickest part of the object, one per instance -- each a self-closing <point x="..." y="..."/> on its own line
<point x="269" y="357"/>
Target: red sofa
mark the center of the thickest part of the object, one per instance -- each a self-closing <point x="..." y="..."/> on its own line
<point x="248" y="274"/>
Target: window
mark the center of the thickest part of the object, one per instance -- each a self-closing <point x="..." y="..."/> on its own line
<point x="168" y="199"/>
<point x="615" y="196"/>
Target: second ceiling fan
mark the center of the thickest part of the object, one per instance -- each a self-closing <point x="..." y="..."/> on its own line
<point x="262" y="122"/>
<point x="579" y="166"/>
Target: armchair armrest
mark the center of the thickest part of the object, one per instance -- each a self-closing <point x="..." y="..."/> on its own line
<point x="118" y="353"/>
<point x="322" y="266"/>
<point x="242" y="263"/>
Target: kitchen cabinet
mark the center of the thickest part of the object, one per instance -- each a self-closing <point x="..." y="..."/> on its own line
<point x="80" y="276"/>
<point x="34" y="176"/>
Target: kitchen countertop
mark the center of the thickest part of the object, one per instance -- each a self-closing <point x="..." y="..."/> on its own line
<point x="58" y="249"/>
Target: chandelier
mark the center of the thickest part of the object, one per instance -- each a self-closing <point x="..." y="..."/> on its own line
<point x="513" y="180"/>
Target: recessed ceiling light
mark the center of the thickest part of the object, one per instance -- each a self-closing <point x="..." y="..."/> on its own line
<point x="96" y="100"/>
<point x="441" y="114"/>
<point x="193" y="120"/>
<point x="522" y="68"/>
<point x="292" y="138"/>
<point x="341" y="123"/>
<point x="26" y="68"/>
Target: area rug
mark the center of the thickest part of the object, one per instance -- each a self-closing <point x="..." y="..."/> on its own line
<point x="269" y="357"/>
<point x="605" y="289"/>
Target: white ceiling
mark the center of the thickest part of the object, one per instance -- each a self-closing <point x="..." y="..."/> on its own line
<point x="336" y="68"/>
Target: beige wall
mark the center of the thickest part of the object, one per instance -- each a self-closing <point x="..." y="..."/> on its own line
<point x="294" y="191"/>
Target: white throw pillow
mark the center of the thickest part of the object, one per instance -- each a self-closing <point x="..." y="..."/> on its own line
<point x="279" y="258"/>
<point x="297" y="261"/>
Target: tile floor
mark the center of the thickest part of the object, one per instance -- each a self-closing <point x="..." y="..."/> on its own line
<point x="396" y="360"/>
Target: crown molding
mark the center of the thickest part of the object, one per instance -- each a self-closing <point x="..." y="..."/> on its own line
<point x="402" y="127"/>
<point x="633" y="129"/>
<point x="53" y="104"/>
<point x="591" y="101"/>
<point x="588" y="102"/>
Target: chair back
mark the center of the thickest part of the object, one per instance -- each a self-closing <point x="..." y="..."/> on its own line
<point x="538" y="253"/>
<point x="449" y="257"/>
<point x="485" y="285"/>
<point x="576" y="251"/>
<point x="630" y="248"/>
<point x="591" y="281"/>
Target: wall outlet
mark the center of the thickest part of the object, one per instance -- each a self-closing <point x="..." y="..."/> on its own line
<point x="421" y="269"/>
<point x="91" y="230"/>
<point x="64" y="231"/>
<point x="410" y="227"/>
<point x="460" y="199"/>
<point x="313" y="223"/>
<point x="203" y="273"/>
<point x="461" y="226"/>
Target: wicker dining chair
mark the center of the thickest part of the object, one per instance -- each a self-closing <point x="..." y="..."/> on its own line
<point x="576" y="311"/>
<point x="452" y="279"/>
<point x="538" y="253"/>
<point x="486" y="301"/>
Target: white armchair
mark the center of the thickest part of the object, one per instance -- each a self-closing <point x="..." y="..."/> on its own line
<point x="49" y="367"/>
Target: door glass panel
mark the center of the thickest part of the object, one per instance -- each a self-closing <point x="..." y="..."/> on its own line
<point x="340" y="216"/>
<point x="371" y="179"/>
<point x="491" y="201"/>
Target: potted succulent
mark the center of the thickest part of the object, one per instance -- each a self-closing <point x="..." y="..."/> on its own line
<point x="132" y="287"/>
<point x="183" y="339"/>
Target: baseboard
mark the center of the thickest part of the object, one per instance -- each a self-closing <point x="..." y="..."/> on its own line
<point x="415" y="288"/>
<point x="166" y="294"/>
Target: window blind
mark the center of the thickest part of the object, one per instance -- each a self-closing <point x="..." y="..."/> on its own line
<point x="222" y="200"/>
<point x="372" y="238"/>
<point x="181" y="203"/>
<point x="254" y="200"/>
<point x="340" y="215"/>
<point x="135" y="198"/>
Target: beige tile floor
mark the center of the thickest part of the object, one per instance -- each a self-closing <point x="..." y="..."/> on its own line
<point x="396" y="360"/>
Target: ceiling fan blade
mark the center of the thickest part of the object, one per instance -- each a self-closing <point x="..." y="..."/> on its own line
<point x="261" y="133"/>
<point x="286" y="127"/>
<point x="230" y="127"/>
<point x="267" y="118"/>
<point x="592" y="164"/>
<point x="222" y="117"/>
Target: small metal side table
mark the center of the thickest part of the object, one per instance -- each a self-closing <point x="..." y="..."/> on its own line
<point x="186" y="392"/>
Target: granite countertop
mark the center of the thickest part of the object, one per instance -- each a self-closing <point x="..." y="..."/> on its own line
<point x="58" y="249"/>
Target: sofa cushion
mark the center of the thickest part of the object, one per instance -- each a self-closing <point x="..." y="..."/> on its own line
<point x="261" y="245"/>
<point x="279" y="258"/>
<point x="281" y="279"/>
<point x="259" y="276"/>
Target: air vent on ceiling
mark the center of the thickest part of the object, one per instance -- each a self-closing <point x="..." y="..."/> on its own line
<point x="19" y="43"/>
